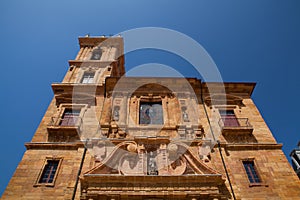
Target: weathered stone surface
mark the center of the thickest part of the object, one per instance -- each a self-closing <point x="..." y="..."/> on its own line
<point x="177" y="159"/>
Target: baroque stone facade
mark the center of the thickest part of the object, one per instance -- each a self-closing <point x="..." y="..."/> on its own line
<point x="108" y="136"/>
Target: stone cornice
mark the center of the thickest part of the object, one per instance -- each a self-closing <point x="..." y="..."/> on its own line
<point x="92" y="63"/>
<point x="54" y="145"/>
<point x="157" y="85"/>
<point x="238" y="89"/>
<point x="206" y="186"/>
<point x="214" y="179"/>
<point x="103" y="41"/>
<point x="63" y="88"/>
<point x="252" y="146"/>
<point x="235" y="92"/>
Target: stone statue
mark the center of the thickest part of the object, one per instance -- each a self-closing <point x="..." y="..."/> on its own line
<point x="152" y="167"/>
<point x="185" y="116"/>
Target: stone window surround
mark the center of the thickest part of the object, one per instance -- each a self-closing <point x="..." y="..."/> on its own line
<point x="97" y="73"/>
<point x="88" y="77"/>
<point x="150" y="99"/>
<point x="103" y="49"/>
<point x="228" y="119"/>
<point x="60" y="159"/>
<point x="216" y="109"/>
<point x="256" y="167"/>
<point x="96" y="48"/>
<point x="141" y="103"/>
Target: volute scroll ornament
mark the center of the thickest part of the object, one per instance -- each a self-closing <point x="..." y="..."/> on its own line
<point x="204" y="150"/>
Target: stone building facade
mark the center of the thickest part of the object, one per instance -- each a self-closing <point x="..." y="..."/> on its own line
<point x="108" y="136"/>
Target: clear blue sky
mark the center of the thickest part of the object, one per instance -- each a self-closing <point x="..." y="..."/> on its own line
<point x="253" y="40"/>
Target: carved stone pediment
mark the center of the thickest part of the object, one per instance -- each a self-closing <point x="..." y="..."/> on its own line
<point x="125" y="174"/>
<point x="130" y="158"/>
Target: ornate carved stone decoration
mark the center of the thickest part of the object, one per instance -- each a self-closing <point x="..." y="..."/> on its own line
<point x="204" y="149"/>
<point x="99" y="150"/>
<point x="116" y="113"/>
<point x="137" y="161"/>
<point x="185" y="115"/>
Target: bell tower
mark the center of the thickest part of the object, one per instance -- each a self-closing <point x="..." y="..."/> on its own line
<point x="97" y="59"/>
<point x="56" y="155"/>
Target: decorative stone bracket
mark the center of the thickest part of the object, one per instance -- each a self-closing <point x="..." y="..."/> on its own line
<point x="190" y="132"/>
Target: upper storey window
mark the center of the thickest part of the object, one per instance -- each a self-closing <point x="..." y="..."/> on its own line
<point x="88" y="77"/>
<point x="96" y="55"/>
<point x="49" y="172"/>
<point x="228" y="117"/>
<point x="70" y="117"/>
<point x="251" y="172"/>
<point x="151" y="113"/>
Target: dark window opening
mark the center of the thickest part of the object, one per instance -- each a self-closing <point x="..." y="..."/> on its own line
<point x="70" y="117"/>
<point x="96" y="55"/>
<point x="49" y="171"/>
<point x="151" y="113"/>
<point x="229" y="119"/>
<point x="251" y="172"/>
<point x="88" y="77"/>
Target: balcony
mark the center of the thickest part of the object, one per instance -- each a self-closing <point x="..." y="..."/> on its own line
<point x="233" y="125"/>
<point x="70" y="125"/>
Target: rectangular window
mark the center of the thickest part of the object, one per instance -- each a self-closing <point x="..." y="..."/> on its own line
<point x="96" y="55"/>
<point x="151" y="113"/>
<point x="228" y="118"/>
<point x="88" y="77"/>
<point x="251" y="172"/>
<point x="49" y="171"/>
<point x="70" y="117"/>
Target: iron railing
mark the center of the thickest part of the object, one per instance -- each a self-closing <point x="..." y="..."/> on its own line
<point x="225" y="122"/>
<point x="66" y="122"/>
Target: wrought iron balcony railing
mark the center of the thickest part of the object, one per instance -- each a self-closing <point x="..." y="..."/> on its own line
<point x="235" y="125"/>
<point x="66" y="124"/>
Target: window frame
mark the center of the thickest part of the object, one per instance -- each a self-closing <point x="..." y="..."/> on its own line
<point x="98" y="73"/>
<point x="96" y="50"/>
<point x="257" y="171"/>
<point x="38" y="183"/>
<point x="75" y="116"/>
<point x="141" y="102"/>
<point x="88" y="78"/>
<point x="63" y="107"/>
<point x="229" y="119"/>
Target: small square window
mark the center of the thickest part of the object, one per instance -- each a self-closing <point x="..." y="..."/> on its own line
<point x="96" y="55"/>
<point x="151" y="113"/>
<point x="88" y="77"/>
<point x="251" y="172"/>
<point x="49" y="172"/>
